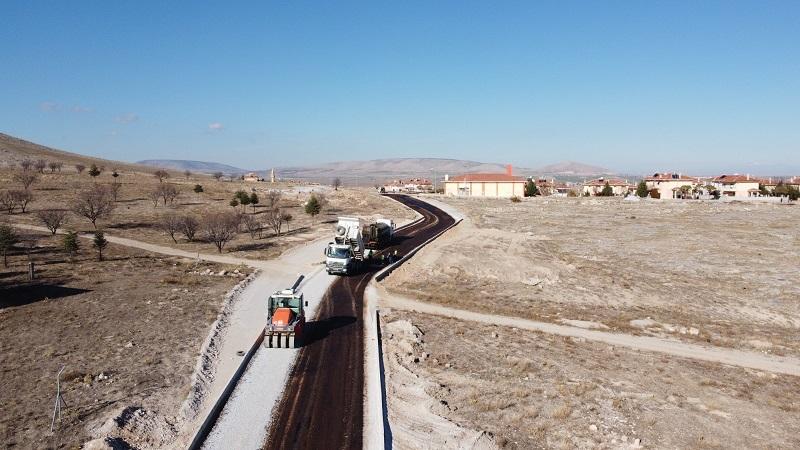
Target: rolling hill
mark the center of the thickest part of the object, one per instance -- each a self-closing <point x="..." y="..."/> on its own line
<point x="194" y="166"/>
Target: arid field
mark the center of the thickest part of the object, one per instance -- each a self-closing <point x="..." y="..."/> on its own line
<point x="721" y="275"/>
<point x="129" y="329"/>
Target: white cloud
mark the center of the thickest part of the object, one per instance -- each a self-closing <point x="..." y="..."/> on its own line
<point x="81" y="109"/>
<point x="127" y="118"/>
<point x="49" y="106"/>
<point x="215" y="126"/>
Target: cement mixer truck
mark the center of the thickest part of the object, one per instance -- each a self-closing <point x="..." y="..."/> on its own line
<point x="345" y="255"/>
<point x="354" y="243"/>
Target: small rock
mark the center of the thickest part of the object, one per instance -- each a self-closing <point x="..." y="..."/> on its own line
<point x="129" y="344"/>
<point x="447" y="366"/>
<point x="592" y="427"/>
<point x="222" y="273"/>
<point x="694" y="331"/>
<point x="495" y="335"/>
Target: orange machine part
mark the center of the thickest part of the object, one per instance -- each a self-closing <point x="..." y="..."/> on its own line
<point x="282" y="316"/>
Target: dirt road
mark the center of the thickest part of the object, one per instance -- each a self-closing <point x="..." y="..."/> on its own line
<point x="739" y="358"/>
<point x="322" y="405"/>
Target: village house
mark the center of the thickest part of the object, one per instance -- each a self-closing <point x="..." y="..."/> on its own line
<point x="251" y="177"/>
<point x="737" y="186"/>
<point x="669" y="185"/>
<point x="412" y="185"/>
<point x="618" y="186"/>
<point x="504" y="185"/>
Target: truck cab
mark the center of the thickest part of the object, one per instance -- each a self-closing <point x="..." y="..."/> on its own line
<point x="345" y="255"/>
<point x="339" y="259"/>
<point x="286" y="319"/>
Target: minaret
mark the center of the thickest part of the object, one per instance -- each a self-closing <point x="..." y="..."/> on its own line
<point x="272" y="176"/>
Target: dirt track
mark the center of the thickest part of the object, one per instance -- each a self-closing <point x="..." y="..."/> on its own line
<point x="323" y="401"/>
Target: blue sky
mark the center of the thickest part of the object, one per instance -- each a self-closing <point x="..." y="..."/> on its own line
<point x="635" y="86"/>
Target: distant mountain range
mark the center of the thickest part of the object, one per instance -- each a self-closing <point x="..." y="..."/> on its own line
<point x="381" y="169"/>
<point x="194" y="166"/>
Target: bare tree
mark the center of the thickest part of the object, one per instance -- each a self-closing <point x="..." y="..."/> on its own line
<point x="187" y="173"/>
<point x="21" y="198"/>
<point x="94" y="203"/>
<point x="155" y="197"/>
<point x="80" y="168"/>
<point x="217" y="175"/>
<point x="171" y="223"/>
<point x="168" y="192"/>
<point x="52" y="218"/>
<point x="161" y="174"/>
<point x="114" y="188"/>
<point x="275" y="219"/>
<point x="220" y="228"/>
<point x="189" y="226"/>
<point x="26" y="164"/>
<point x="253" y="225"/>
<point x="273" y="200"/>
<point x="287" y="218"/>
<point x="8" y="201"/>
<point x="26" y="178"/>
<point x="53" y="166"/>
<point x="40" y="165"/>
<point x="337" y="182"/>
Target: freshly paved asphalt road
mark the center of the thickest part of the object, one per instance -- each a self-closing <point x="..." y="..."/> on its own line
<point x="322" y="406"/>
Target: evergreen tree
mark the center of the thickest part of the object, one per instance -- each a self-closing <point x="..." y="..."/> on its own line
<point x="71" y="244"/>
<point x="607" y="191"/>
<point x="99" y="243"/>
<point x="530" y="189"/>
<point x="641" y="189"/>
<point x="313" y="206"/>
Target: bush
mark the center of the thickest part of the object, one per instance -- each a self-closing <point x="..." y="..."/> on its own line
<point x="515" y="199"/>
<point x="530" y="189"/>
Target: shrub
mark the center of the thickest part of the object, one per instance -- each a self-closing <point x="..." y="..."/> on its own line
<point x="515" y="199"/>
<point x="531" y="189"/>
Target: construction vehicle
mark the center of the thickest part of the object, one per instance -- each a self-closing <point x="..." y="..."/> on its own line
<point x="286" y="318"/>
<point x="345" y="255"/>
<point x="378" y="235"/>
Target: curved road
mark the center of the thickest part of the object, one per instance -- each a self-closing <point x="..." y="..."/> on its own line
<point x="322" y="405"/>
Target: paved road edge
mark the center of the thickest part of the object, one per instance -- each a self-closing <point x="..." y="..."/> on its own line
<point x="377" y="433"/>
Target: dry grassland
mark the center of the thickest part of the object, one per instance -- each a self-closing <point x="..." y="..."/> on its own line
<point x="529" y="390"/>
<point x="128" y="330"/>
<point x="718" y="273"/>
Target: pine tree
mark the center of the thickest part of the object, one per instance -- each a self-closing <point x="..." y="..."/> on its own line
<point x="99" y="243"/>
<point x="71" y="244"/>
<point x="641" y="189"/>
<point x="313" y="207"/>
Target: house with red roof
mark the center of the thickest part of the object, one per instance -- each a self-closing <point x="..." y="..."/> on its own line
<point x="670" y="185"/>
<point x="737" y="186"/>
<point x="596" y="186"/>
<point x="502" y="185"/>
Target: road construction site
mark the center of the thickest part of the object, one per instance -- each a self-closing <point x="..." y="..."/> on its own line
<point x="297" y="398"/>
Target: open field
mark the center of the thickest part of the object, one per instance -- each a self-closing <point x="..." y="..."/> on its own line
<point x="724" y="274"/>
<point x="128" y="330"/>
<point x="530" y="390"/>
<point x="136" y="217"/>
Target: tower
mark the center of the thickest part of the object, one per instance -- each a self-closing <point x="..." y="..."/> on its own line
<point x="272" y="175"/>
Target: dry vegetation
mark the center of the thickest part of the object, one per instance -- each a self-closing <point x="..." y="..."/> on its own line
<point x="135" y="215"/>
<point x="128" y="330"/>
<point x="724" y="274"/>
<point x="530" y="390"/>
